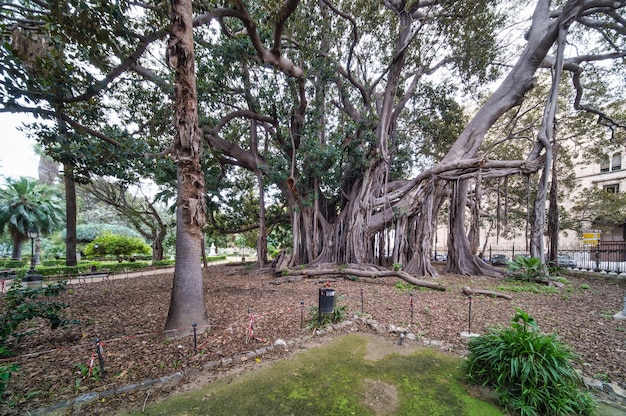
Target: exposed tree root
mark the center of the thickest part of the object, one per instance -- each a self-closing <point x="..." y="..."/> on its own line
<point x="468" y="291"/>
<point x="359" y="271"/>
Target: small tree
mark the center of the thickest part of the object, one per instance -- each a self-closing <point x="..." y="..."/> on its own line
<point x="26" y="204"/>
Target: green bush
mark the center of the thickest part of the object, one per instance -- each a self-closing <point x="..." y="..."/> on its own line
<point x="532" y="373"/>
<point x="116" y="245"/>
<point x="162" y="263"/>
<point x="528" y="268"/>
<point x="86" y="233"/>
<point x="14" y="264"/>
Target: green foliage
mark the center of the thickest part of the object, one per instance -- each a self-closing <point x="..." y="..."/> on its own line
<point x="338" y="315"/>
<point x="25" y="304"/>
<point x="117" y="245"/>
<point x="528" y="268"/>
<point x="86" y="233"/>
<point x="528" y="287"/>
<point x="404" y="286"/>
<point x="13" y="264"/>
<point x="532" y="373"/>
<point x="86" y="373"/>
<point x="168" y="262"/>
<point x="26" y="204"/>
<point x="5" y="374"/>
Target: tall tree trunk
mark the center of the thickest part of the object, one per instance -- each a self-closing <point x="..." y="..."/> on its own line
<point x="545" y="138"/>
<point x="460" y="259"/>
<point x="553" y="212"/>
<point x="70" y="212"/>
<point x="187" y="304"/>
<point x="16" y="253"/>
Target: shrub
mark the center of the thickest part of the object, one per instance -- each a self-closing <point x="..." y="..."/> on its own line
<point x="532" y="373"/>
<point x="528" y="268"/>
<point x="116" y="245"/>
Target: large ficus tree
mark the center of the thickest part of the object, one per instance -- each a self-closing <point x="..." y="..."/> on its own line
<point x="345" y="109"/>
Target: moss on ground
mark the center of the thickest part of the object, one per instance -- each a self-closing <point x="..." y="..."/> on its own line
<point x="336" y="379"/>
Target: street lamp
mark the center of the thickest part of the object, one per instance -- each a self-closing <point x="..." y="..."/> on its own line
<point x="32" y="234"/>
<point x="31" y="279"/>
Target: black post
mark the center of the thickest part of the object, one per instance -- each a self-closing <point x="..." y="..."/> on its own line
<point x="597" y="257"/>
<point x="361" y="301"/>
<point x="195" y="338"/>
<point x="98" y="346"/>
<point x="411" y="306"/>
<point x="301" y="314"/>
<point x="469" y="316"/>
<point x="32" y="255"/>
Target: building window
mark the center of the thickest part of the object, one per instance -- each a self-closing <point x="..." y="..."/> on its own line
<point x="605" y="166"/>
<point x="616" y="161"/>
<point x="613" y="189"/>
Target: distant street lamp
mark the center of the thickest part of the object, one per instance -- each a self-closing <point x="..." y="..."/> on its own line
<point x="32" y="279"/>
<point x="32" y="234"/>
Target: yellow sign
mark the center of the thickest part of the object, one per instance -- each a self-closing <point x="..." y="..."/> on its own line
<point x="591" y="238"/>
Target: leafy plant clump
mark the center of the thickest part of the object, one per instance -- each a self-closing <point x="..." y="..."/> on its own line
<point x="528" y="268"/>
<point x="532" y="373"/>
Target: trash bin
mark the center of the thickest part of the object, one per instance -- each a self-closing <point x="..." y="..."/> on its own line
<point x="327" y="300"/>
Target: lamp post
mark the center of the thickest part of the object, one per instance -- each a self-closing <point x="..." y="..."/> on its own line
<point x="32" y="234"/>
<point x="32" y="279"/>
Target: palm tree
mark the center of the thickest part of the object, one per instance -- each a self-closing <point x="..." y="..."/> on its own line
<point x="26" y="204"/>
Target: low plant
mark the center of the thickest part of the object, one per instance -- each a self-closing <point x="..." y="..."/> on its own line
<point x="528" y="268"/>
<point x="85" y="372"/>
<point x="404" y="286"/>
<point x="24" y="304"/>
<point x="316" y="321"/>
<point x="5" y="374"/>
<point x="531" y="372"/>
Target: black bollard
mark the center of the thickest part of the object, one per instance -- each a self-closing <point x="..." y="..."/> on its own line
<point x="301" y="314"/>
<point x="195" y="337"/>
<point x="469" y="316"/>
<point x="361" y="301"/>
<point x="411" y="306"/>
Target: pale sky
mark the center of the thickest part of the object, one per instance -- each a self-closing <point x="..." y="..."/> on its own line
<point x="17" y="157"/>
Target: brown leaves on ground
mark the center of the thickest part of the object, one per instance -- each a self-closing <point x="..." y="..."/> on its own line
<point x="129" y="316"/>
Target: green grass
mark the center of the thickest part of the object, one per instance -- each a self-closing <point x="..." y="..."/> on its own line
<point x="528" y="288"/>
<point x="333" y="380"/>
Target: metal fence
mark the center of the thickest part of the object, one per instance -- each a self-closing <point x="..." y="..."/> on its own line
<point x="607" y="257"/>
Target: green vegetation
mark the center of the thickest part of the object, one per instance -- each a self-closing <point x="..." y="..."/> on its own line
<point x="5" y="374"/>
<point x="338" y="379"/>
<point x="404" y="286"/>
<point x="109" y="244"/>
<point x="529" y="269"/>
<point x="314" y="320"/>
<point x="24" y="304"/>
<point x="532" y="373"/>
<point x="528" y="287"/>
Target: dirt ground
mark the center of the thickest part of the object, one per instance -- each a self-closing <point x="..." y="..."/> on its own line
<point x="129" y="316"/>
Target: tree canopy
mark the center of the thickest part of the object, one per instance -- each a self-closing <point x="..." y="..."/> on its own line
<point x="350" y="117"/>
